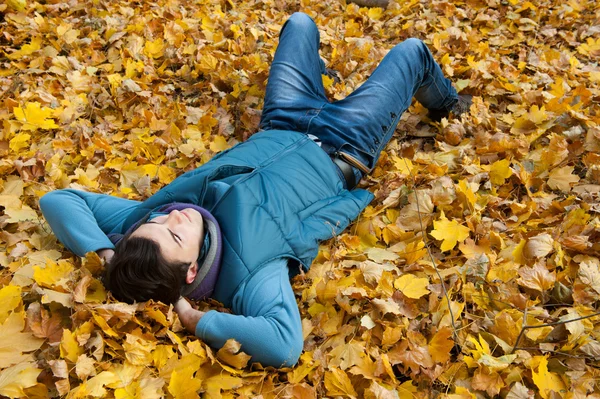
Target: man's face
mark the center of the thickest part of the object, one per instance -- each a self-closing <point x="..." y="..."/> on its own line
<point x="178" y="235"/>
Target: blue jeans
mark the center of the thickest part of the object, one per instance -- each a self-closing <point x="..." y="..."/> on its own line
<point x="362" y="123"/>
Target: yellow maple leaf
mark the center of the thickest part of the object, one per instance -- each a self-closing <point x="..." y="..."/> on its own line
<point x="529" y="121"/>
<point x="411" y="286"/>
<point x="183" y="385"/>
<point x="347" y="355"/>
<point x="95" y="385"/>
<point x="14" y="343"/>
<point x="464" y="188"/>
<point x="10" y="298"/>
<point x="404" y="165"/>
<point x="214" y="385"/>
<point x="561" y="178"/>
<point x="35" y="117"/>
<point x="138" y="350"/>
<point x="219" y="144"/>
<point x="537" y="115"/>
<point x="165" y="174"/>
<point x="537" y="277"/>
<point x="500" y="171"/>
<point x="407" y="390"/>
<point x="54" y="274"/>
<point x="154" y="49"/>
<point x="18" y="5"/>
<point x="375" y="13"/>
<point x="451" y="232"/>
<point x="517" y="252"/>
<point x="19" y="142"/>
<point x="14" y="379"/>
<point x="591" y="47"/>
<point x="306" y="366"/>
<point x="353" y="29"/>
<point x="26" y="49"/>
<point x="327" y="81"/>
<point x="547" y="381"/>
<point x="413" y="252"/>
<point x="69" y="347"/>
<point x="337" y="383"/>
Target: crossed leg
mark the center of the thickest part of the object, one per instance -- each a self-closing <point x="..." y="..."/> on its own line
<point x="359" y="126"/>
<point x="363" y="123"/>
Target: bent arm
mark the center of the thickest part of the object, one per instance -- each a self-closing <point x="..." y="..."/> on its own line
<point x="267" y="323"/>
<point x="81" y="220"/>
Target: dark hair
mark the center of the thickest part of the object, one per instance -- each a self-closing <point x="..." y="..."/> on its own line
<point x="138" y="272"/>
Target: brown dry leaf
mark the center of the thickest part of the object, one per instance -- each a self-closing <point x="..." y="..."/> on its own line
<point x="386" y="306"/>
<point x="562" y="178"/>
<point x="44" y="324"/>
<point x="345" y="356"/>
<point x="440" y="345"/>
<point x="490" y="382"/>
<point x="539" y="246"/>
<point x="537" y="277"/>
<point x="589" y="273"/>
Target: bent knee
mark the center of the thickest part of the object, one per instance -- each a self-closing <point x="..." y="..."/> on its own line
<point x="413" y="42"/>
<point x="410" y="48"/>
<point x="300" y="21"/>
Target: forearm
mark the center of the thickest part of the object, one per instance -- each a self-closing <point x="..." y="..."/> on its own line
<point x="270" y="341"/>
<point x="266" y="320"/>
<point x="73" y="222"/>
<point x="81" y="221"/>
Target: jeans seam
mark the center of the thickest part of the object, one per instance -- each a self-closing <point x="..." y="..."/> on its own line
<point x="317" y="114"/>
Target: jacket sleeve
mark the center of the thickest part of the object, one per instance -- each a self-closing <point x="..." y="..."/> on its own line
<point x="267" y="321"/>
<point x="82" y="220"/>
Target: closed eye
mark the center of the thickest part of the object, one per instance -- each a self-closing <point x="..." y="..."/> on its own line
<point x="176" y="238"/>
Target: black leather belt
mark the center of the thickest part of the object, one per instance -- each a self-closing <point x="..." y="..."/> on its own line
<point x="347" y="171"/>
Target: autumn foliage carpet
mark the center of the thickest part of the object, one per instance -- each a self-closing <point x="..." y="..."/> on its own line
<point x="474" y="273"/>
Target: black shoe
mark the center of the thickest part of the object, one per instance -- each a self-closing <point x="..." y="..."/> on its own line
<point x="333" y="74"/>
<point x="460" y="107"/>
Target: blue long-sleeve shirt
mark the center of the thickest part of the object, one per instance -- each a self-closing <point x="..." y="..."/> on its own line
<point x="265" y="318"/>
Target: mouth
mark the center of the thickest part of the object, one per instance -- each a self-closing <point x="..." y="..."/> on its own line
<point x="186" y="215"/>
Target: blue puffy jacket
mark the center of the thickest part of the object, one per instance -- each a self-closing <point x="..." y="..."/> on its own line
<point x="288" y="198"/>
<point x="283" y="197"/>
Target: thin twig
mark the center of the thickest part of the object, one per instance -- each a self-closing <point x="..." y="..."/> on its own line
<point x="565" y="321"/>
<point x="523" y="327"/>
<point x="556" y="323"/>
<point x="454" y="329"/>
<point x="533" y="348"/>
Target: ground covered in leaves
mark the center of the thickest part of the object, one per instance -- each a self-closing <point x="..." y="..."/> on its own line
<point x="474" y="273"/>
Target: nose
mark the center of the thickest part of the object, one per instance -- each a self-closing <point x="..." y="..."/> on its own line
<point x="175" y="216"/>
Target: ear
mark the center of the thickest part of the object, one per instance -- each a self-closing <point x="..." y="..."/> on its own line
<point x="191" y="273"/>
